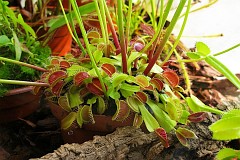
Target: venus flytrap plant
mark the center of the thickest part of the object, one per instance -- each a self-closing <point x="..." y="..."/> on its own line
<point x="119" y="74"/>
<point x="117" y="78"/>
<point x="128" y="74"/>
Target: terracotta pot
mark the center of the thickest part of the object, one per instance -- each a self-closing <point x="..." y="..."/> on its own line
<point x="103" y="125"/>
<point x="18" y="103"/>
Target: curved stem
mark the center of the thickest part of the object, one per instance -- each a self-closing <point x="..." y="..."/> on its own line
<point x="227" y="50"/>
<point x="202" y="7"/>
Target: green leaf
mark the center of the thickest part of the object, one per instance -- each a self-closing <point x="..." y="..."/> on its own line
<point x="228" y="153"/>
<point x="133" y="103"/>
<point x="74" y="69"/>
<point x="150" y="122"/>
<point x="219" y="66"/>
<point x="194" y="103"/>
<point x="92" y="100"/>
<point x="4" y="40"/>
<point x="113" y="94"/>
<point x="162" y="117"/>
<point x="184" y="117"/>
<point x="193" y="55"/>
<point x="97" y="55"/>
<point x="231" y="113"/>
<point x="226" y="129"/>
<point x="74" y="97"/>
<point x="118" y="79"/>
<point x="79" y="118"/>
<point x="202" y="49"/>
<point x="128" y="87"/>
<point x="101" y="106"/>
<point x="197" y="106"/>
<point x="131" y="58"/>
<point x="156" y="69"/>
<point x="126" y="93"/>
<point x="110" y="61"/>
<point x="27" y="28"/>
<point x="68" y="120"/>
<point x="17" y="46"/>
<point x="85" y="9"/>
<point x="173" y="108"/>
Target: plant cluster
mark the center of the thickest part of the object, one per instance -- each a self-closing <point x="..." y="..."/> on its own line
<point x="119" y="72"/>
<point x="18" y="42"/>
<point x="122" y="68"/>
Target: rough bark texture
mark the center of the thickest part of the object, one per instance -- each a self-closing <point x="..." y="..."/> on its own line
<point x="130" y="143"/>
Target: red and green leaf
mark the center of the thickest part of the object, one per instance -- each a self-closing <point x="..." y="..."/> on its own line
<point x="171" y="77"/>
<point x="64" y="64"/>
<point x="68" y="120"/>
<point x="141" y="96"/>
<point x="158" y="84"/>
<point x="142" y="81"/>
<point x="197" y="117"/>
<point x="181" y="138"/>
<point x="138" y="120"/>
<point x="55" y="61"/>
<point x="95" y="87"/>
<point x="122" y="112"/>
<point x="64" y="103"/>
<point x="57" y="88"/>
<point x="109" y="69"/>
<point x="162" y="134"/>
<point x="80" y="77"/>
<point x="86" y="114"/>
<point x="187" y="133"/>
<point x="56" y="76"/>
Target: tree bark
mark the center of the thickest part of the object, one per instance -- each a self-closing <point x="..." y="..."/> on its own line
<point x="133" y="144"/>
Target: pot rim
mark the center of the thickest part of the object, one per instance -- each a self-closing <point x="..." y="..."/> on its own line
<point x="19" y="90"/>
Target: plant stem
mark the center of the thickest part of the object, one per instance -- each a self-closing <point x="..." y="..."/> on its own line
<point x="84" y="35"/>
<point x="129" y="17"/>
<point x="113" y="31"/>
<point x="121" y="36"/>
<point x="166" y="36"/>
<point x="159" y="31"/>
<point x="212" y="110"/>
<point x="23" y="64"/>
<point x="153" y="6"/>
<point x="211" y="2"/>
<point x="160" y="25"/>
<point x="26" y="83"/>
<point x="72" y="30"/>
<point x="103" y="23"/>
<point x="227" y="50"/>
<point x="180" y="33"/>
<point x="185" y="73"/>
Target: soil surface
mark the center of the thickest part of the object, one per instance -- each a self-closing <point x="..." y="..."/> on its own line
<point x="39" y="133"/>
